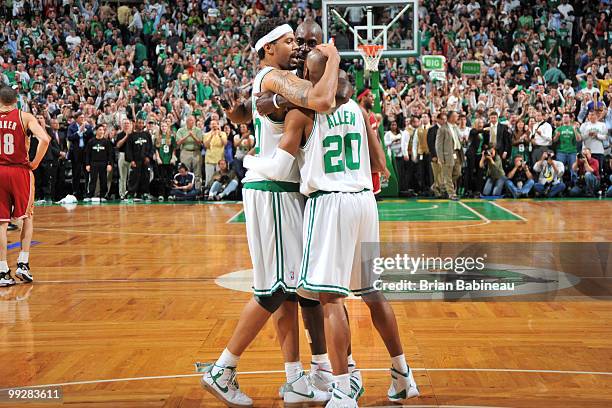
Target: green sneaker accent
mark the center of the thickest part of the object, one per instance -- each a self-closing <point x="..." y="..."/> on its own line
<point x="358" y="392"/>
<point x="399" y="395"/>
<point x="219" y="375"/>
<point x="393" y="370"/>
<point x="288" y="387"/>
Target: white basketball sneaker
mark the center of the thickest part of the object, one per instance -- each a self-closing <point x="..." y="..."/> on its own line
<point x="341" y="400"/>
<point x="221" y="383"/>
<point x="322" y="379"/>
<point x="23" y="272"/>
<point x="6" y="279"/>
<point x="402" y="387"/>
<point x="302" y="393"/>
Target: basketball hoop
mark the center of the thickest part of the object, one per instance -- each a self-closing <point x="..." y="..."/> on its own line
<point x="371" y="54"/>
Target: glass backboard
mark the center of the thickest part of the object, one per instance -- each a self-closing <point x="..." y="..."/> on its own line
<point x="391" y="23"/>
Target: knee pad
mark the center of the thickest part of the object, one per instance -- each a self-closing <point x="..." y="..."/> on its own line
<point x="272" y="302"/>
<point x="304" y="302"/>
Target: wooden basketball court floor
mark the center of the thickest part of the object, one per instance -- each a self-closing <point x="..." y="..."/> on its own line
<point x="128" y="297"/>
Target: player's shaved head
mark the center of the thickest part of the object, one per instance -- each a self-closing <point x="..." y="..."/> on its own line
<point x="8" y="96"/>
<point x="309" y="30"/>
<point x="315" y="65"/>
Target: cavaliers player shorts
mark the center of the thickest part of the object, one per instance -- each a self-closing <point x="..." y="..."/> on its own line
<point x="16" y="193"/>
<point x="376" y="183"/>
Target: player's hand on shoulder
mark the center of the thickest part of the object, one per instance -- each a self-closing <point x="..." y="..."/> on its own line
<point x="265" y="103"/>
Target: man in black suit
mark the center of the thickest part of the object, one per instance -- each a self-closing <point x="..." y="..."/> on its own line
<point x="45" y="175"/>
<point x="498" y="136"/>
<point x="432" y="133"/>
<point x="53" y="163"/>
<point x="79" y="134"/>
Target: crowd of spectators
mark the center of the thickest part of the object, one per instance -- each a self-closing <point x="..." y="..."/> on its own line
<point x="147" y="78"/>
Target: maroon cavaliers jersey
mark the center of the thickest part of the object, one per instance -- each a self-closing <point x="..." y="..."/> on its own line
<point x="14" y="143"/>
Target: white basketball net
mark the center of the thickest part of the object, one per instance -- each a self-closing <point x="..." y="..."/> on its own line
<point x="371" y="54"/>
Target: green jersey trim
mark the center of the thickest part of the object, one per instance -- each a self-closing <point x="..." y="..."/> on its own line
<point x="273" y="186"/>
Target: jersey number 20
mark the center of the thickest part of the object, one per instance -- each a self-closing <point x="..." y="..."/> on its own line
<point x="350" y="145"/>
<point x="7" y="144"/>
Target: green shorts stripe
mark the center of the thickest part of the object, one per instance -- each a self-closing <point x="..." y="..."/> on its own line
<point x="273" y="186"/>
<point x="276" y="232"/>
<point x="281" y="275"/>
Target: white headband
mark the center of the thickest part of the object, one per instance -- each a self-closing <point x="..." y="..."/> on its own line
<point x="273" y="35"/>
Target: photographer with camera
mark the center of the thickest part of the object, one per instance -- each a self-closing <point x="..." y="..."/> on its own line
<point x="520" y="180"/>
<point x="494" y="172"/>
<point x="586" y="170"/>
<point x="550" y="179"/>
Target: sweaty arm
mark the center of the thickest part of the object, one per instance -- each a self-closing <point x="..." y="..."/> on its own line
<point x="300" y="92"/>
<point x="40" y="134"/>
<point x="278" y="167"/>
<point x="378" y="161"/>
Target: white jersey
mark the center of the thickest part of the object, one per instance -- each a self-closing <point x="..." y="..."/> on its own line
<point x="268" y="134"/>
<point x="336" y="156"/>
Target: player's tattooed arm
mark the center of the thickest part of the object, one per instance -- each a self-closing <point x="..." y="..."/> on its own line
<point x="320" y="97"/>
<point x="288" y="85"/>
<point x="265" y="102"/>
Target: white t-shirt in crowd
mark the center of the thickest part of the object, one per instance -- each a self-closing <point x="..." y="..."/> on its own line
<point x="601" y="134"/>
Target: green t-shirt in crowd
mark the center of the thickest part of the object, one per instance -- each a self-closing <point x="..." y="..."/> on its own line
<point x="140" y="52"/>
<point x="526" y="21"/>
<point x="203" y="93"/>
<point x="567" y="139"/>
<point x="148" y="27"/>
<point x="165" y="150"/>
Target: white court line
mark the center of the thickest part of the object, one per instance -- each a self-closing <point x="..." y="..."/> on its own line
<point x="497" y="233"/>
<point x="391" y="234"/>
<point x="400" y="210"/>
<point x="507" y="210"/>
<point x="163" y="377"/>
<point x="156" y="234"/>
<point x="482" y="217"/>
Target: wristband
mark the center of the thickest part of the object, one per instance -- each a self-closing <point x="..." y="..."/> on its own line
<point x="274" y="101"/>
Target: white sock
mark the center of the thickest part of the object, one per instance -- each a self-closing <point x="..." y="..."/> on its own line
<point x="227" y="359"/>
<point x="23" y="257"/>
<point x="343" y="383"/>
<point x="293" y="371"/>
<point x="320" y="362"/>
<point x="4" y="266"/>
<point x="351" y="363"/>
<point x="399" y="363"/>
